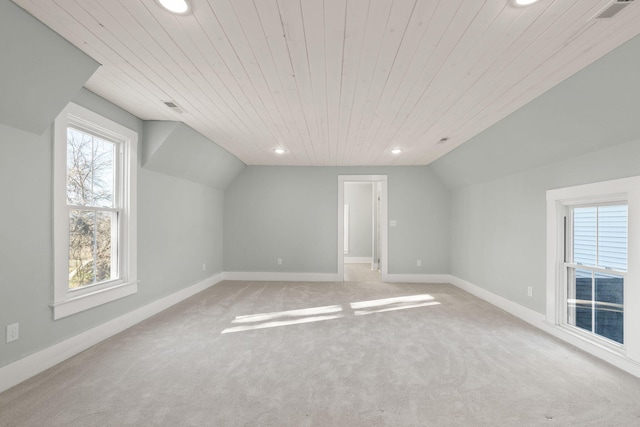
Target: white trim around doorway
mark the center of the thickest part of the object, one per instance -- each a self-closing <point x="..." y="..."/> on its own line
<point x="382" y="179"/>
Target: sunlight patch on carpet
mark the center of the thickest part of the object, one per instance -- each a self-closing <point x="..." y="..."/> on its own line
<point x="317" y="314"/>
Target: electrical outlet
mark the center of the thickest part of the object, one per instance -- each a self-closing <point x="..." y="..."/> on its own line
<point x="279" y="261"/>
<point x="13" y="332"/>
<point x="419" y="263"/>
<point x="530" y="291"/>
<point x="204" y="267"/>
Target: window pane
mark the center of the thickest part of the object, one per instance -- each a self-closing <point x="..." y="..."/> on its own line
<point x="91" y="257"/>
<point x="609" y="316"/>
<point x="78" y="167"/>
<point x="105" y="258"/>
<point x="612" y="237"/>
<point x="580" y="299"/>
<point x="90" y="170"/>
<point x="584" y="235"/>
<point x="81" y="233"/>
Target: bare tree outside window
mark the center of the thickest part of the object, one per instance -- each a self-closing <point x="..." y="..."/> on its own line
<point x="92" y="218"/>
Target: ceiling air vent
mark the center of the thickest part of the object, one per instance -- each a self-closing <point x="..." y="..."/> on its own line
<point x="612" y="9"/>
<point x="175" y="107"/>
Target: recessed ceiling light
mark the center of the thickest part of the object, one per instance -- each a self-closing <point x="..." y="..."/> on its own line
<point x="524" y="2"/>
<point x="396" y="151"/>
<point x="279" y="151"/>
<point x="443" y="140"/>
<point x="175" y="6"/>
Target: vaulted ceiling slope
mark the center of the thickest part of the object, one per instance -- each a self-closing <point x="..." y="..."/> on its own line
<point x="597" y="108"/>
<point x="335" y="82"/>
<point x="175" y="149"/>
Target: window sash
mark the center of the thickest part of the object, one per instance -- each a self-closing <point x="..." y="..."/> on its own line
<point x="595" y="269"/>
<point x="119" y="167"/>
<point x="594" y="306"/>
<point x="599" y="225"/>
<point x="116" y="254"/>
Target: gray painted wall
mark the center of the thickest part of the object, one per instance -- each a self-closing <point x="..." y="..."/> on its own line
<point x="359" y="197"/>
<point x="498" y="237"/>
<point x="179" y="229"/>
<point x="292" y="213"/>
<point x="584" y="130"/>
<point x="40" y="71"/>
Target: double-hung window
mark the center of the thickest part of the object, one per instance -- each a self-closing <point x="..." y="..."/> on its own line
<point x="596" y="264"/>
<point x="95" y="163"/>
<point x="593" y="268"/>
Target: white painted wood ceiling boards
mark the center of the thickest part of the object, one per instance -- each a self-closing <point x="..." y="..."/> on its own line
<point x="334" y="82"/>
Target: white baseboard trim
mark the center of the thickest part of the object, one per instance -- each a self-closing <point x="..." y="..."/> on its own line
<point x="357" y="260"/>
<point x="272" y="276"/>
<point x="16" y="372"/>
<point x="530" y="316"/>
<point x="417" y="278"/>
<point x="538" y="320"/>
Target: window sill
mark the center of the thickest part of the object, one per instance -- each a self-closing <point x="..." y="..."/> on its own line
<point x="93" y="299"/>
<point x="573" y="334"/>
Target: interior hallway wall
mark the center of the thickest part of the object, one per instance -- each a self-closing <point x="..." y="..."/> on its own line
<point x="359" y="197"/>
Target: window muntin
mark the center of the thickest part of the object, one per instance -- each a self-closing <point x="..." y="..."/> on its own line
<point x="595" y="269"/>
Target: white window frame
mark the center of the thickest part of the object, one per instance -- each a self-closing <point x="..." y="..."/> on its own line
<point x="70" y="301"/>
<point x="559" y="202"/>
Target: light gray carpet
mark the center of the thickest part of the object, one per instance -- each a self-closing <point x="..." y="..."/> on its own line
<point x="436" y="357"/>
<point x="360" y="273"/>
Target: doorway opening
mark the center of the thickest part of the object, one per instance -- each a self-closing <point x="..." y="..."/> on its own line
<point x="362" y="227"/>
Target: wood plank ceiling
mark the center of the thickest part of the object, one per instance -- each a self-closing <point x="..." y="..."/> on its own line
<point x="334" y="82"/>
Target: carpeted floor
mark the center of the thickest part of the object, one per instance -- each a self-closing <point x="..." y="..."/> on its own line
<point x="328" y="354"/>
<point x="360" y="273"/>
